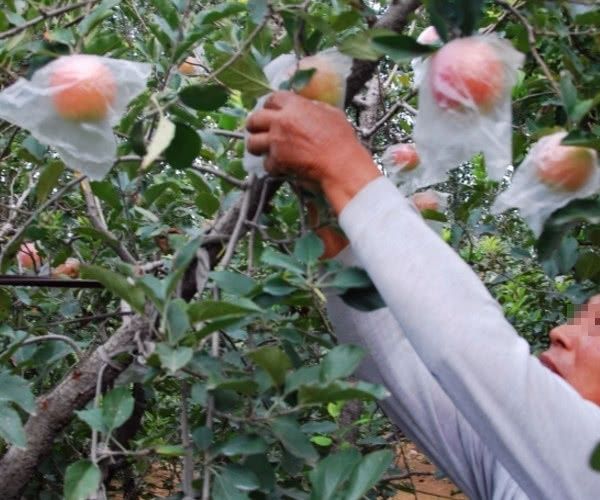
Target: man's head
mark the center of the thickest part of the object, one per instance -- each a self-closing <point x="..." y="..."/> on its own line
<point x="574" y="351"/>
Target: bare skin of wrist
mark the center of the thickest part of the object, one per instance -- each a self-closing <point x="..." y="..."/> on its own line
<point x="341" y="189"/>
<point x="313" y="141"/>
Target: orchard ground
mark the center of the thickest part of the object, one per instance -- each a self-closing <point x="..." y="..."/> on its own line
<point x="424" y="481"/>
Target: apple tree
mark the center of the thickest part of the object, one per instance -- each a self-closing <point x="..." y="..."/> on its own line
<point x="171" y="312"/>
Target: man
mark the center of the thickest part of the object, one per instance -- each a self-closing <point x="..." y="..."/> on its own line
<point x="501" y="423"/>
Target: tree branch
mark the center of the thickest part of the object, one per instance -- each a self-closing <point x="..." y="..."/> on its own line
<point x="43" y="17"/>
<point x="395" y="19"/>
<point x="55" y="409"/>
<point x="531" y="38"/>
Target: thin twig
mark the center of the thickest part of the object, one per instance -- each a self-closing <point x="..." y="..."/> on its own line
<point x="15" y="209"/>
<point x="390" y="112"/>
<point x="87" y="319"/>
<point x="238" y="226"/>
<point x="226" y="133"/>
<point x="98" y="221"/>
<point x="62" y="338"/>
<point x="240" y="51"/>
<point x="43" y="17"/>
<point x="188" y="457"/>
<point x="94" y="445"/>
<point x="219" y="173"/>
<point x="17" y="236"/>
<point x="6" y="149"/>
<point x="252" y="235"/>
<point x="531" y="38"/>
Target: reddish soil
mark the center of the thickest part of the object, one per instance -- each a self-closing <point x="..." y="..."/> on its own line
<point x="422" y="481"/>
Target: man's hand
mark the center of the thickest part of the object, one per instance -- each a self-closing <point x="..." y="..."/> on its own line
<point x="313" y="141"/>
<point x="333" y="239"/>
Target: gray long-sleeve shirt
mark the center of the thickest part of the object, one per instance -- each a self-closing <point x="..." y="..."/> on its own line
<point x="464" y="385"/>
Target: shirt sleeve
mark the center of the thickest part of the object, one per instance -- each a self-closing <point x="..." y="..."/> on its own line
<point x="539" y="428"/>
<point x="417" y="404"/>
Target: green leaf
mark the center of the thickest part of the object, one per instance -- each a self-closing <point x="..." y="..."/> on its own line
<point x="340" y="391"/>
<point x="274" y="361"/>
<point x="36" y="149"/>
<point x="258" y="9"/>
<point x="183" y="258"/>
<point x="174" y="358"/>
<point x="433" y="215"/>
<point x="214" y="309"/>
<point x="207" y="203"/>
<point x="341" y="362"/>
<point x="309" y="248"/>
<point x="178" y="322"/>
<point x="245" y="386"/>
<point x="245" y="444"/>
<point x="154" y="288"/>
<point x="278" y="287"/>
<point x="170" y="450"/>
<point x="184" y="148"/>
<point x="582" y="138"/>
<point x="223" y="489"/>
<point x="186" y="254"/>
<point x="204" y="97"/>
<point x="48" y="179"/>
<point x="351" y="277"/>
<point x="202" y="437"/>
<point x="168" y="12"/>
<point x="363" y="299"/>
<point x="11" y="427"/>
<point x="240" y="477"/>
<point x="81" y="480"/>
<point x="94" y="418"/>
<point x="401" y="48"/>
<point x="261" y="466"/>
<point x="137" y="138"/>
<point x="277" y="259"/>
<point x="367" y="473"/>
<point x="456" y="17"/>
<point x="360" y="45"/>
<point x="5" y="305"/>
<point x="321" y="440"/>
<point x="108" y="193"/>
<point x="198" y="182"/>
<point x="595" y="458"/>
<point x="163" y="135"/>
<point x="116" y="284"/>
<point x="220" y="11"/>
<point x="299" y="80"/>
<point x="96" y="16"/>
<point x="587" y="266"/>
<point x="331" y="472"/>
<point x="244" y="74"/>
<point x="568" y="92"/>
<point x="14" y="389"/>
<point x="233" y="283"/>
<point x="293" y="439"/>
<point x="117" y="407"/>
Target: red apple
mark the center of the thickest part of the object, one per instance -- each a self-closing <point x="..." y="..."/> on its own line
<point x="467" y="71"/>
<point x="429" y="36"/>
<point x="83" y="88"/>
<point x="28" y="256"/>
<point x="405" y="157"/>
<point x="426" y="200"/>
<point x="566" y="168"/>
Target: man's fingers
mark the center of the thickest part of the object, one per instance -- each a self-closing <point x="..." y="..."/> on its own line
<point x="278" y="100"/>
<point x="260" y="121"/>
<point x="271" y="166"/>
<point x="258" y="144"/>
